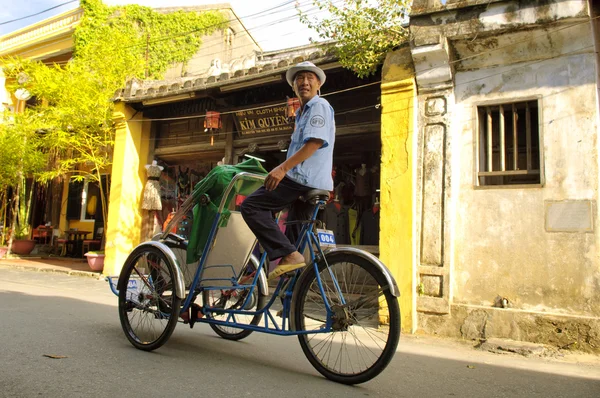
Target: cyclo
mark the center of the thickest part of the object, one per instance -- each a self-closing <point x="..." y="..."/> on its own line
<point x="343" y="305"/>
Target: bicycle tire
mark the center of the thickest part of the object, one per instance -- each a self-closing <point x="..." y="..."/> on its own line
<point x="228" y="332"/>
<point x="148" y="305"/>
<point x="364" y="313"/>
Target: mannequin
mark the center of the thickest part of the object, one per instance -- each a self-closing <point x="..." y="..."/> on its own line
<point x="183" y="182"/>
<point x="151" y="200"/>
<point x="336" y="219"/>
<point x="363" y="169"/>
<point x="363" y="186"/>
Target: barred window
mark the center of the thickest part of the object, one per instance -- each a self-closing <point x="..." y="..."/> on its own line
<point x="508" y="150"/>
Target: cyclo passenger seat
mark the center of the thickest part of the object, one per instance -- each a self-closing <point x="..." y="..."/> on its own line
<point x="315" y="195"/>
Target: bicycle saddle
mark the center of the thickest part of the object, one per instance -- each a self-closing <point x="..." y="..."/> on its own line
<point x="315" y="195"/>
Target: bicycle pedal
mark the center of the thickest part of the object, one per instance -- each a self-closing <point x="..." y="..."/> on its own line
<point x="195" y="314"/>
<point x="279" y="313"/>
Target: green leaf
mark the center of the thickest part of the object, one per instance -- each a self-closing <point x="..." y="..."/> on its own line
<point x="361" y="33"/>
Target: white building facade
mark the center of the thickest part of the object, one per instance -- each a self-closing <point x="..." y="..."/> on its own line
<point x="508" y="170"/>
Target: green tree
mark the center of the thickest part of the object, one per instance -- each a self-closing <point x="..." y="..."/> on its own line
<point x="112" y="45"/>
<point x="360" y="32"/>
<point x="21" y="139"/>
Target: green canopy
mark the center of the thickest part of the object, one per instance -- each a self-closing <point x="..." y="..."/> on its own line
<point x="214" y="185"/>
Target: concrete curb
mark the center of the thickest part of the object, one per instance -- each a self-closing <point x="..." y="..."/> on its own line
<point x="34" y="268"/>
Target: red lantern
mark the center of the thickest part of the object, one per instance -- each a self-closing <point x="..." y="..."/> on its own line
<point x="212" y="121"/>
<point x="293" y="104"/>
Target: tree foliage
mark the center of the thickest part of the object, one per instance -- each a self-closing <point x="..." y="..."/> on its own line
<point x="165" y="39"/>
<point x="360" y="32"/>
<point x="22" y="141"/>
<point x="111" y="46"/>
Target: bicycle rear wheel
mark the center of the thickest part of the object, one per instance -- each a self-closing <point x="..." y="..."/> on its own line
<point x="148" y="305"/>
<point x="235" y="299"/>
<point x="365" y="330"/>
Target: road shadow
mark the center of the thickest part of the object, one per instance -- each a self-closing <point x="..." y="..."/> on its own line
<point x="99" y="361"/>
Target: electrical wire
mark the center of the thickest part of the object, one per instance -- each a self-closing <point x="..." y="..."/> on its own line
<point x="144" y="43"/>
<point x="363" y="108"/>
<point x="169" y="37"/>
<point x="38" y="13"/>
<point x="219" y="44"/>
<point x="414" y="75"/>
<point x="422" y="71"/>
<point x="246" y="32"/>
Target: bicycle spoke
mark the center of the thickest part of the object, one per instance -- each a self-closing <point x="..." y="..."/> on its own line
<point x="357" y="341"/>
<point x="234" y="299"/>
<point x="147" y="304"/>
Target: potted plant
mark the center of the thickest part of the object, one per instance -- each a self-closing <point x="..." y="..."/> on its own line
<point x="21" y="241"/>
<point x="95" y="260"/>
<point x="22" y="159"/>
<point x="21" y="244"/>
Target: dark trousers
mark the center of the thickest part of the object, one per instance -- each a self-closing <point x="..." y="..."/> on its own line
<point x="258" y="210"/>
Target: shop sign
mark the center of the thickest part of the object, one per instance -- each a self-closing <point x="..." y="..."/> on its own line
<point x="263" y="120"/>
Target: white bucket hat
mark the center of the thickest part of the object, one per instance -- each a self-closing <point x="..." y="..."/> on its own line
<point x="304" y="66"/>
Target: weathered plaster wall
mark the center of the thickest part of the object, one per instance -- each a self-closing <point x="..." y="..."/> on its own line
<point x="495" y="240"/>
<point x="239" y="55"/>
<point x="501" y="244"/>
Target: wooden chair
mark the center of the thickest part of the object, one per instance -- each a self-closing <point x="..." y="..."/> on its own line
<point x="42" y="234"/>
<point x="60" y="242"/>
<point x="95" y="242"/>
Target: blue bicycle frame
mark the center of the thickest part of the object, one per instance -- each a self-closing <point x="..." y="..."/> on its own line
<point x="284" y="288"/>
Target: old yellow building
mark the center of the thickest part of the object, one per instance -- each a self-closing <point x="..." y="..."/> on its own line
<point x="70" y="205"/>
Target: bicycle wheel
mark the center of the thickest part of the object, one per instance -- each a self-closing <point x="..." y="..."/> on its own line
<point x="148" y="305"/>
<point x="234" y="299"/>
<point x="365" y="330"/>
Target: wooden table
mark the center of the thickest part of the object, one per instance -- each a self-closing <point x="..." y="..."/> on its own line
<point x="75" y="238"/>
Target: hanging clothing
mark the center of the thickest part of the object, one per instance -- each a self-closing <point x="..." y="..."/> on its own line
<point x="151" y="199"/>
<point x="352" y="224"/>
<point x="336" y="220"/>
<point x="375" y="180"/>
<point x="363" y="184"/>
<point x="369" y="227"/>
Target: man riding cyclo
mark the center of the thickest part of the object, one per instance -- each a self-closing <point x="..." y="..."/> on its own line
<point x="308" y="166"/>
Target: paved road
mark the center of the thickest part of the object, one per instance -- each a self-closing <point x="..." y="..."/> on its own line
<point x="76" y="317"/>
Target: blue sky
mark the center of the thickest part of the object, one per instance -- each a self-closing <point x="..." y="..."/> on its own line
<point x="275" y="29"/>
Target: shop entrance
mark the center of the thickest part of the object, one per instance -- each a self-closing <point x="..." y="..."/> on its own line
<point x="353" y="210"/>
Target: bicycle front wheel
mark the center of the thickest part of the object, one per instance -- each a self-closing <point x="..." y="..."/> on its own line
<point x="365" y="328"/>
<point x="148" y="305"/>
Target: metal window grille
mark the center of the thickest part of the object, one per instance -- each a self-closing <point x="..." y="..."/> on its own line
<point x="509" y="144"/>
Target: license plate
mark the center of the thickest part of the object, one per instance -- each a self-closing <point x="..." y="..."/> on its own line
<point x="326" y="238"/>
<point x="136" y="289"/>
